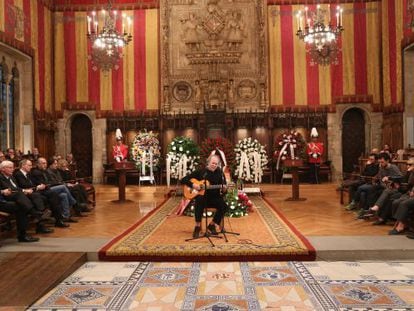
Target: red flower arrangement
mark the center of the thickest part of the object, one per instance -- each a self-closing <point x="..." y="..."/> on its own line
<point x="210" y="144"/>
<point x="289" y="145"/>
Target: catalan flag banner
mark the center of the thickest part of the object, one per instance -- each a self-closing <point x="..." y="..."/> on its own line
<point x="295" y="81"/>
<point x="132" y="86"/>
<point x="392" y="36"/>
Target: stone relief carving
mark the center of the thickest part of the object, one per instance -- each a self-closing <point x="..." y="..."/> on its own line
<point x="247" y="89"/>
<point x="213" y="54"/>
<point x="182" y="91"/>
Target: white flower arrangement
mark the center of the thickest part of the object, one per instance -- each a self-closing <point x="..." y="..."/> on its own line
<point x="251" y="160"/>
<point x="182" y="157"/>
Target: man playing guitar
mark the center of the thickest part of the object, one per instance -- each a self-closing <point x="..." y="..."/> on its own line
<point x="212" y="197"/>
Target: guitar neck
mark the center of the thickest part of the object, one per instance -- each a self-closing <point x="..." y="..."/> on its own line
<point x="214" y="187"/>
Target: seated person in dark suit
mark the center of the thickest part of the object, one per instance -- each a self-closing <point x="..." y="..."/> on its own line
<point x="212" y="197"/>
<point x="20" y="213"/>
<point x="23" y="178"/>
<point x="370" y="170"/>
<point x="72" y="165"/>
<point x="12" y="193"/>
<point x="79" y="185"/>
<point x="7" y="180"/>
<point x="39" y="175"/>
<point x="77" y="191"/>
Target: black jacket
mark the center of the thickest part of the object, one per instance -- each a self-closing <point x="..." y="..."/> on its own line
<point x="6" y="184"/>
<point x="40" y="177"/>
<point x="22" y="181"/>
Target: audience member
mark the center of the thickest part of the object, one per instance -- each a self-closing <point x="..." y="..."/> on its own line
<point x="373" y="190"/>
<point x="40" y="175"/>
<point x="12" y="193"/>
<point x="77" y="191"/>
<point x="370" y="170"/>
<point x="21" y="214"/>
<point x="72" y="165"/>
<point x="23" y="178"/>
<point x="399" y="189"/>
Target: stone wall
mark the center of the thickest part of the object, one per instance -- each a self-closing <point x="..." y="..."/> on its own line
<point x="373" y="134"/>
<point x="63" y="140"/>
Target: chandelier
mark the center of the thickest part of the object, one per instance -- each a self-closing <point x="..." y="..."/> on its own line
<point x="109" y="40"/>
<point x="320" y="38"/>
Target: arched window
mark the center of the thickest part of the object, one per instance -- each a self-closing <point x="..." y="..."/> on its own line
<point x="7" y="101"/>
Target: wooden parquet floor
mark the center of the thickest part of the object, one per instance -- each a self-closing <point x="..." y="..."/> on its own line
<point x="25" y="277"/>
<point x="320" y="215"/>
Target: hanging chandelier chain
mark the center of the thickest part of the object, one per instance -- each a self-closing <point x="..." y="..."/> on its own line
<point x="320" y="32"/>
<point x="108" y="41"/>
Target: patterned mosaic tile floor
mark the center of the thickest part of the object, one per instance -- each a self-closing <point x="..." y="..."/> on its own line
<point x="286" y="286"/>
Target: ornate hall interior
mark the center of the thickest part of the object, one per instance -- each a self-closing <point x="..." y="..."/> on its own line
<point x="258" y="83"/>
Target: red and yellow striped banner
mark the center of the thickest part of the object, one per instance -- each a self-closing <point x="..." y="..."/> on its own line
<point x="294" y="81"/>
<point x="133" y="86"/>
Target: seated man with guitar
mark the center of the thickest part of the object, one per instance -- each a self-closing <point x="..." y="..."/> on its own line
<point x="207" y="186"/>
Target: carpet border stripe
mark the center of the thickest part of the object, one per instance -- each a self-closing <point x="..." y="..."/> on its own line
<point x="309" y="246"/>
<point x="102" y="252"/>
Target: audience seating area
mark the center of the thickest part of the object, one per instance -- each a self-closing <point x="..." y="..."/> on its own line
<point x="344" y="190"/>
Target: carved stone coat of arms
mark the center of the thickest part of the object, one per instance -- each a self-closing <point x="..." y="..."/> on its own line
<point x="213" y="55"/>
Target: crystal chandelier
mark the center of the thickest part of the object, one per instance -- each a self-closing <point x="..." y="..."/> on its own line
<point x="320" y="39"/>
<point x="108" y="42"/>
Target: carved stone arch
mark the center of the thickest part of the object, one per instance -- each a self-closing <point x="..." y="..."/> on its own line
<point x="73" y="114"/>
<point x="372" y="130"/>
<point x="63" y="139"/>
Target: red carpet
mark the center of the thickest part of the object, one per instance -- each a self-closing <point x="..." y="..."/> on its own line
<point x="265" y="235"/>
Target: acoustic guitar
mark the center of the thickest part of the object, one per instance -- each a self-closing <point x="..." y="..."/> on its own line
<point x="190" y="193"/>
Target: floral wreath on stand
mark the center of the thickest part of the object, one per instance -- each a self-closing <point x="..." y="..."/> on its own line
<point x="145" y="149"/>
<point x="251" y="159"/>
<point x="182" y="158"/>
<point x="289" y="145"/>
<point x="211" y="144"/>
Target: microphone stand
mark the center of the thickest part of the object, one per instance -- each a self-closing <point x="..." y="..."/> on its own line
<point x="223" y="230"/>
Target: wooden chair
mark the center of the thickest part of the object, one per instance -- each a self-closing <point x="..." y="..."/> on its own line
<point x="5" y="222"/>
<point x="90" y="190"/>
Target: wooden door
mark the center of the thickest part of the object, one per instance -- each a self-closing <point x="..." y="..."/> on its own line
<point x="81" y="142"/>
<point x="353" y="138"/>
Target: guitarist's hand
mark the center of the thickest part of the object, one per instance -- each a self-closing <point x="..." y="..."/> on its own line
<point x="196" y="187"/>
